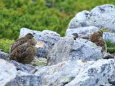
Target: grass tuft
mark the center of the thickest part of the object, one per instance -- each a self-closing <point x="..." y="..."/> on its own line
<point x="110" y="46"/>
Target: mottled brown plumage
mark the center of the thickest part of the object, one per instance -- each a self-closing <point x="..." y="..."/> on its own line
<point x="97" y="38"/>
<point x="20" y="41"/>
<point x="24" y="53"/>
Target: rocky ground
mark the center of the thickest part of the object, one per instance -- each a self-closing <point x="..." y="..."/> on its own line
<point x="69" y="62"/>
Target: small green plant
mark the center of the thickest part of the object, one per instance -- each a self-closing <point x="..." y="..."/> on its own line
<point x="39" y="62"/>
<point x="105" y="30"/>
<point x="110" y="46"/>
<point x="5" y="44"/>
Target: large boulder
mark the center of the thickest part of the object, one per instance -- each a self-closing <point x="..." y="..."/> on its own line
<point x="14" y="75"/>
<point x="101" y="16"/>
<point x="45" y="38"/>
<point x="78" y="73"/>
<point x="7" y="72"/>
<point x="68" y="49"/>
<point x="98" y="74"/>
<point x="66" y="73"/>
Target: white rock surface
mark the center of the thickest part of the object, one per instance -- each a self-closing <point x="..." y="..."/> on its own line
<point x="95" y="75"/>
<point x="17" y="76"/>
<point x="101" y="16"/>
<point x="68" y="49"/>
<point x="66" y="73"/>
<point x="109" y="36"/>
<point x="7" y="72"/>
<point x="78" y="73"/>
<point x="49" y="38"/>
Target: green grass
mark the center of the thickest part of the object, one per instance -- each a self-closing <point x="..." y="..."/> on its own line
<point x="5" y="44"/>
<point x="110" y="47"/>
<point x="105" y="30"/>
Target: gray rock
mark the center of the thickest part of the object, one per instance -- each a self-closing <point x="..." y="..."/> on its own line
<point x="68" y="49"/>
<point x="112" y="78"/>
<point x="25" y="31"/>
<point x="7" y="72"/>
<point x="49" y="38"/>
<point x="109" y="36"/>
<point x="84" y="32"/>
<point x="28" y="80"/>
<point x="4" y="55"/>
<point x="10" y="76"/>
<point x="98" y="74"/>
<point x="66" y="73"/>
<point x="101" y="16"/>
<point x="80" y="20"/>
<point x="78" y="73"/>
<point x="23" y="67"/>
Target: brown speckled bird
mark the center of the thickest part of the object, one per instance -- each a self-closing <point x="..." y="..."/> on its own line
<point x="24" y="53"/>
<point x="97" y="38"/>
<point x="21" y="41"/>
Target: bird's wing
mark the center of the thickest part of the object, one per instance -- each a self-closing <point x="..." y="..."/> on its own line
<point x="26" y="52"/>
<point x="17" y="43"/>
<point x="14" y="45"/>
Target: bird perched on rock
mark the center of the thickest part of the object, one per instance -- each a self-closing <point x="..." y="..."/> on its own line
<point x="97" y="38"/>
<point x="21" y="41"/>
<point x="75" y="35"/>
<point x="24" y="53"/>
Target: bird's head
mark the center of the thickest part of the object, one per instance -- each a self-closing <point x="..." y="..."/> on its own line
<point x="32" y="42"/>
<point x="29" y="36"/>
